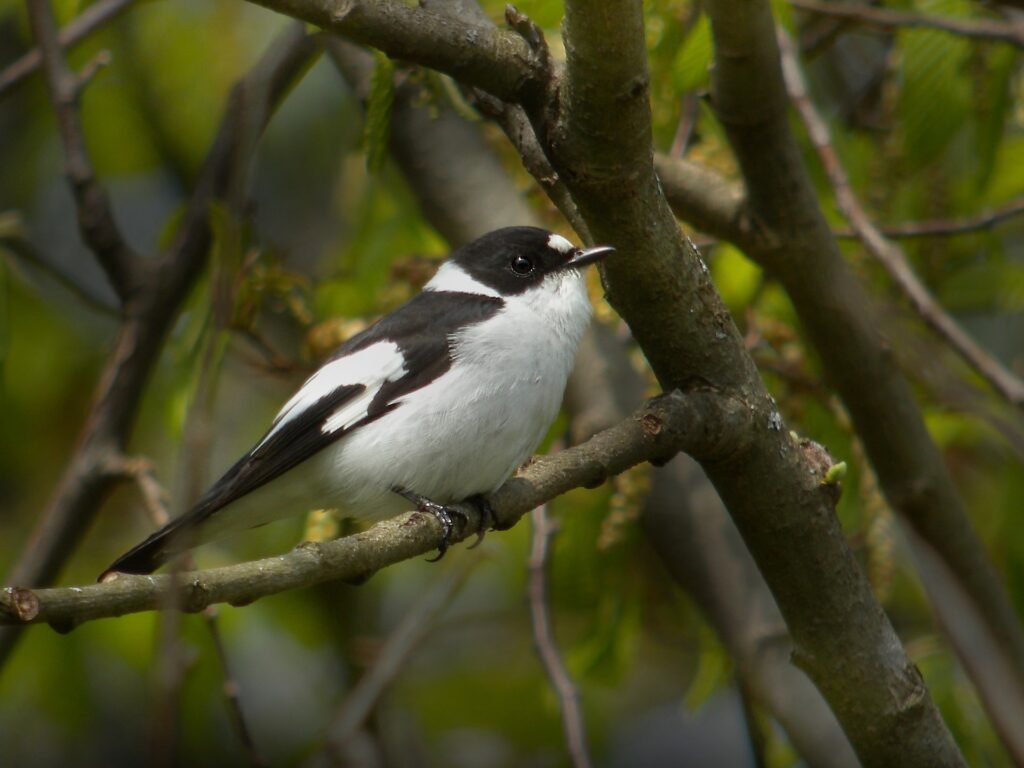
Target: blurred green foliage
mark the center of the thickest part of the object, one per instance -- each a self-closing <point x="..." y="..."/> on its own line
<point x="929" y="126"/>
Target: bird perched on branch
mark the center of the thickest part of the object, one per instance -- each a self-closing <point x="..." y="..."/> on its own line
<point x="437" y="403"/>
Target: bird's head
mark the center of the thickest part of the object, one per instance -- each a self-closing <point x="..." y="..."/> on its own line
<point x="513" y="261"/>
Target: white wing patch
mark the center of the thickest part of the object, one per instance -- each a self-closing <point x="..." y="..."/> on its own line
<point x="560" y="244"/>
<point x="372" y="367"/>
<point x="451" y="277"/>
<point x="351" y="412"/>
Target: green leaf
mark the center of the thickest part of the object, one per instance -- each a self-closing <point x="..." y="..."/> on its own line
<point x="1006" y="181"/>
<point x="961" y="429"/>
<point x="608" y="650"/>
<point x="692" y="65"/>
<point x="736" y="277"/>
<point x="934" y="97"/>
<point x="377" y="128"/>
<point x="993" y="103"/>
<point x="712" y="672"/>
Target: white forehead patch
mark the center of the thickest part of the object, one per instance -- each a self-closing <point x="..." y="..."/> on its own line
<point x="560" y="244"/>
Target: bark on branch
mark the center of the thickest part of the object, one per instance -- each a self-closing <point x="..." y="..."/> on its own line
<point x="496" y="60"/>
<point x="708" y="425"/>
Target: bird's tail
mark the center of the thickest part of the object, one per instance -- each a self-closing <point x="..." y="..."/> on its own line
<point x="156" y="550"/>
<point x="241" y="499"/>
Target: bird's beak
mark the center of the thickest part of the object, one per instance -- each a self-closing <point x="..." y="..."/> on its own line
<point x="588" y="256"/>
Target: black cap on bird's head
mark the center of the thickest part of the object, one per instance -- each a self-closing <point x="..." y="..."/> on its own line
<point x="514" y="259"/>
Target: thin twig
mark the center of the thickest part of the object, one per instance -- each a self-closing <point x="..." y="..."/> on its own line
<point x="91" y="19"/>
<point x="417" y="622"/>
<point x="512" y="119"/>
<point x="23" y="250"/>
<point x="689" y="111"/>
<point x="196" y="449"/>
<point x="965" y="225"/>
<point x="232" y="691"/>
<point x="544" y="640"/>
<point x="755" y="733"/>
<point x="164" y="729"/>
<point x="889" y="255"/>
<point x="96" y="223"/>
<point x="154" y="496"/>
<point x="140" y="471"/>
<point x="267" y="358"/>
<point x="980" y="29"/>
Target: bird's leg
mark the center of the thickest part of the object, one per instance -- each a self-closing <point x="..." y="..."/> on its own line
<point x="439" y="511"/>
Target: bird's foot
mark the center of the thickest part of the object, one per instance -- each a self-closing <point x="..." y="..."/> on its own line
<point x="442" y="513"/>
<point x="445" y="514"/>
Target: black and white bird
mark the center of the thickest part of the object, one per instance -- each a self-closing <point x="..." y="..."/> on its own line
<point x="438" y="402"/>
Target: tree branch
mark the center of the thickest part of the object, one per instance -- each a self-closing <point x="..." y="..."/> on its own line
<point x="888" y="254"/>
<point x="980" y="29"/>
<point x="498" y="61"/>
<point x="750" y="98"/>
<point x="93" y="470"/>
<point x="706" y="424"/>
<point x="963" y="225"/>
<point x="600" y="145"/>
<point x="21" y="249"/>
<point x="458" y="182"/>
<point x="661" y="288"/>
<point x="91" y="19"/>
<point x="96" y="223"/>
<point x="710" y="202"/>
<point x="544" y="641"/>
<point x="701" y="549"/>
<point x="1000" y="630"/>
<point x="520" y="132"/>
<point x="828" y="298"/>
<point x="415" y="625"/>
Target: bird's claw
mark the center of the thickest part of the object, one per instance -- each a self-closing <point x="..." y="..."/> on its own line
<point x="444" y="515"/>
<point x="441" y="513"/>
<point x="487" y="518"/>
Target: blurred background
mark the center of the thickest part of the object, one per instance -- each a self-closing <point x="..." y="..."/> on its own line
<point x="930" y="127"/>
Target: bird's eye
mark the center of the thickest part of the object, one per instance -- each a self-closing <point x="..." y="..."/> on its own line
<point x="522" y="265"/>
